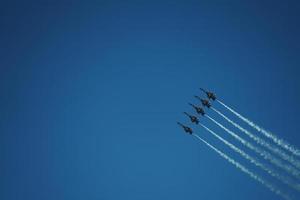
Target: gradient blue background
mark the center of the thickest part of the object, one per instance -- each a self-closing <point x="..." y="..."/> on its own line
<point x="90" y="93"/>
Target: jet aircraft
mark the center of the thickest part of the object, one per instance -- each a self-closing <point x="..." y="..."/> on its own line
<point x="186" y="129"/>
<point x="210" y="95"/>
<point x="192" y="118"/>
<point x="199" y="110"/>
<point x="204" y="102"/>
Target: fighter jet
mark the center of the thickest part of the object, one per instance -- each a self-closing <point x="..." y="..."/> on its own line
<point x="193" y="118"/>
<point x="210" y="95"/>
<point x="204" y="102"/>
<point x="198" y="109"/>
<point x="186" y="129"/>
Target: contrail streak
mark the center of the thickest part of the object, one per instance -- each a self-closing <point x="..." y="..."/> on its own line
<point x="283" y="179"/>
<point x="262" y="142"/>
<point x="266" y="155"/>
<point x="278" y="141"/>
<point x="245" y="170"/>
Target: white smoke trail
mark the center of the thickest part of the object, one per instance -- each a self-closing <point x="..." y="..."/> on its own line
<point x="245" y="170"/>
<point x="262" y="142"/>
<point x="266" y="155"/>
<point x="285" y="180"/>
<point x="278" y="141"/>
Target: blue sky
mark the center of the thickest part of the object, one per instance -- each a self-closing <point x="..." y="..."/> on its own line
<point x="91" y="92"/>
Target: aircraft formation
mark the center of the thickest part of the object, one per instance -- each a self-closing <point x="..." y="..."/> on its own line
<point x="276" y="157"/>
<point x="198" y="109"/>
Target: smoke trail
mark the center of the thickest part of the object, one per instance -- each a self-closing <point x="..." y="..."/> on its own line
<point x="266" y="155"/>
<point x="285" y="180"/>
<point x="278" y="141"/>
<point x="245" y="170"/>
<point x="262" y="142"/>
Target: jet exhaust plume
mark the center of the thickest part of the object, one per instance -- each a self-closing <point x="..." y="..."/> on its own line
<point x="270" y="186"/>
<point x="266" y="155"/>
<point x="262" y="142"/>
<point x="267" y="134"/>
<point x="283" y="179"/>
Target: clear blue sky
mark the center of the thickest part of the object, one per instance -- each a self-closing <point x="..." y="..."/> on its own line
<point x="91" y="92"/>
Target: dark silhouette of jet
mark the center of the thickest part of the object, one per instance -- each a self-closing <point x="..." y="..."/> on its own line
<point x="210" y="95"/>
<point x="204" y="102"/>
<point x="192" y="118"/>
<point x="199" y="110"/>
<point x="186" y="129"/>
